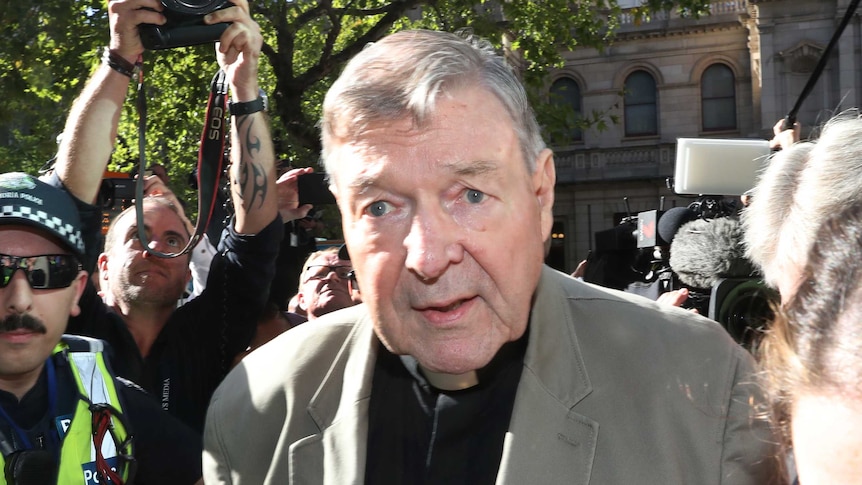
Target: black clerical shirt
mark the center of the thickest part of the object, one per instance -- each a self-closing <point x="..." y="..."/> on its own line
<point x="418" y="434"/>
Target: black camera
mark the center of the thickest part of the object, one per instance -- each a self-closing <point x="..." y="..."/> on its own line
<point x="184" y="25"/>
<point x="744" y="306"/>
<point x="312" y="188"/>
<point x="116" y="191"/>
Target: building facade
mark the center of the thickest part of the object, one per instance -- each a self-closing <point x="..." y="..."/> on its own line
<point x="732" y="74"/>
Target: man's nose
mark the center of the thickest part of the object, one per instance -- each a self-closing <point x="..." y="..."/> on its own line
<point x="157" y="245"/>
<point x="332" y="275"/>
<point x="433" y="243"/>
<point x="17" y="295"/>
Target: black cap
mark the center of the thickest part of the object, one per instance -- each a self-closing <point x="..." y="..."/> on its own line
<point x="343" y="254"/>
<point x="27" y="200"/>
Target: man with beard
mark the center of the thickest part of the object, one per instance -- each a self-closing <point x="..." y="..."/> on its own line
<point x="60" y="404"/>
<point x="179" y="354"/>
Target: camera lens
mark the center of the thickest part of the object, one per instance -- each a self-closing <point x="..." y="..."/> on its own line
<point x="192" y="7"/>
<point x="745" y="311"/>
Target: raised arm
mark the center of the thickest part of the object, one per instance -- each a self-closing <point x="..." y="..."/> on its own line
<point x="252" y="157"/>
<point x="91" y="128"/>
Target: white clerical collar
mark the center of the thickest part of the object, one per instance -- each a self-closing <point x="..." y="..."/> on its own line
<point x="451" y="382"/>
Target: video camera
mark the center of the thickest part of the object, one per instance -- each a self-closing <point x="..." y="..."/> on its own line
<point x="707" y="253"/>
<point x="698" y="247"/>
<point x="184" y="25"/>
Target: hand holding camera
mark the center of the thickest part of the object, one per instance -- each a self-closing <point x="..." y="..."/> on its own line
<point x="184" y="24"/>
<point x="137" y="25"/>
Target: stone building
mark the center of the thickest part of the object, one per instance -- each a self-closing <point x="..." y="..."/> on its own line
<point x="731" y="74"/>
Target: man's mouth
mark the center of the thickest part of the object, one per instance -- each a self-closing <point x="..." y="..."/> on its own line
<point x="447" y="308"/>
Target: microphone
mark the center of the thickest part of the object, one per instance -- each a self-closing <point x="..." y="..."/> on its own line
<point x="704" y="251"/>
<point x="670" y="222"/>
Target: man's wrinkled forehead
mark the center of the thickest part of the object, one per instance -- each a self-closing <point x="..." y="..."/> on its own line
<point x="329" y="259"/>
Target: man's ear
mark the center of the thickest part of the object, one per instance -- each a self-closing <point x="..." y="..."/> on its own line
<point x="300" y="302"/>
<point x="102" y="264"/>
<point x="79" y="284"/>
<point x="544" y="179"/>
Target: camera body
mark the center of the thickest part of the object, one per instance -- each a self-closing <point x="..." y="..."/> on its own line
<point x="184" y="25"/>
<point x="116" y="191"/>
<point x="312" y="188"/>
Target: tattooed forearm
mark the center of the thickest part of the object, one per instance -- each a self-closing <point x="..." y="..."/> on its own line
<point x="251" y="143"/>
<point x="252" y="178"/>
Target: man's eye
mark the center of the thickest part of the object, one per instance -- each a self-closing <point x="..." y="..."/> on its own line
<point x="379" y="208"/>
<point x="174" y="242"/>
<point x="474" y="196"/>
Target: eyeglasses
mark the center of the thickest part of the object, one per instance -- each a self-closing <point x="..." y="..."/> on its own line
<point x="321" y="271"/>
<point x="45" y="272"/>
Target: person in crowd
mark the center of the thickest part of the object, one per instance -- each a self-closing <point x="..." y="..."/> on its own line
<point x="813" y="356"/>
<point x="177" y="354"/>
<point x="64" y="416"/>
<point x="161" y="172"/>
<point x="324" y="285"/>
<point x="803" y="185"/>
<point x="470" y="361"/>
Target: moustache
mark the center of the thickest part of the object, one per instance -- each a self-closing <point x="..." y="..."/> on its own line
<point x="19" y="321"/>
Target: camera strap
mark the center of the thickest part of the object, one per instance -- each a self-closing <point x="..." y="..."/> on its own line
<point x="210" y="161"/>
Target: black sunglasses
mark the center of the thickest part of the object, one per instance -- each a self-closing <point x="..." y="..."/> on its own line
<point x="45" y="272"/>
<point x="321" y="271"/>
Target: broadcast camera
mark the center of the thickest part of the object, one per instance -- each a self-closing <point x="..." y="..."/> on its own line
<point x="707" y="253"/>
<point x="184" y="25"/>
<point x="698" y="247"/>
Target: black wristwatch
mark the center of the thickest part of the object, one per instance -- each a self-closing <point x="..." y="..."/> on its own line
<point x="248" y="107"/>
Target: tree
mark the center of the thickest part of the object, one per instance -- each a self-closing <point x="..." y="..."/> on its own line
<point x="51" y="46"/>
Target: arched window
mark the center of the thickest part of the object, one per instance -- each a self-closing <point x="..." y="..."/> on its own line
<point x="718" y="98"/>
<point x="641" y="109"/>
<point x="566" y="93"/>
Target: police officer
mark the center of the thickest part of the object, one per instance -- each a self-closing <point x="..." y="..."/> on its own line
<point x="64" y="417"/>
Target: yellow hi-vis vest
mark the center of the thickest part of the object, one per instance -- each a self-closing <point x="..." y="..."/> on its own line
<point x="94" y="382"/>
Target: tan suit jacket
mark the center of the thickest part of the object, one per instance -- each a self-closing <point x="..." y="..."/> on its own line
<point x="615" y="390"/>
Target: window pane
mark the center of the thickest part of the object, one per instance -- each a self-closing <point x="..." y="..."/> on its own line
<point x="718" y="98"/>
<point x="640" y="88"/>
<point x="641" y="120"/>
<point x="640" y="105"/>
<point x="718" y="115"/>
<point x="566" y="92"/>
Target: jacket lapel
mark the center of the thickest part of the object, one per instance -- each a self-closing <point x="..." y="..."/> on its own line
<point x="547" y="441"/>
<point x="340" y="409"/>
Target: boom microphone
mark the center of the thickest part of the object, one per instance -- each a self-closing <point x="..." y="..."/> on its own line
<point x="705" y="251"/>
<point x="670" y="222"/>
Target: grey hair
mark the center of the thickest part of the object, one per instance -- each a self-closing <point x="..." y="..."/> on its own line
<point x="403" y="74"/>
<point x="801" y="187"/>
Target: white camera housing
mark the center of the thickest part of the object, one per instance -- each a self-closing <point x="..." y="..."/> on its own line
<point x="712" y="166"/>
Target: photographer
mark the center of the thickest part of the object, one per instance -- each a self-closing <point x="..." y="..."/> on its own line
<point x="177" y="354"/>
